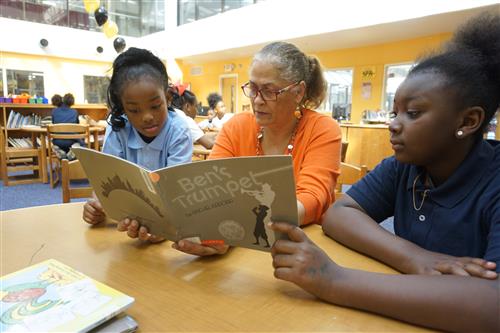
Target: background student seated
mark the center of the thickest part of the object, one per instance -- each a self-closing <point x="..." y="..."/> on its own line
<point x="186" y="104"/>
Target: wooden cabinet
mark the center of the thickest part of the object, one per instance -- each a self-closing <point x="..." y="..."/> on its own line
<point x="368" y="144"/>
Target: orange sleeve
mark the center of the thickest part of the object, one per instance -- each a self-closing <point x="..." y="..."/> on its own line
<point x="236" y="138"/>
<point x="319" y="167"/>
<point x="224" y="142"/>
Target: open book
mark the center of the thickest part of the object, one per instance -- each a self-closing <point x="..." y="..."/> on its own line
<point x="225" y="201"/>
<point x="51" y="296"/>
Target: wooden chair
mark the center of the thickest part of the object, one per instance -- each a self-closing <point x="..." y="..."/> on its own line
<point x="343" y="151"/>
<point x="63" y="131"/>
<point x="200" y="153"/>
<point x="72" y="170"/>
<point x="349" y="174"/>
<point x="19" y="160"/>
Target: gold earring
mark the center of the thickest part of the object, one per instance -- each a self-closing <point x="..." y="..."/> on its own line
<point x="298" y="112"/>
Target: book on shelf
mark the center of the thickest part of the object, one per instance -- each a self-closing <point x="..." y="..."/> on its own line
<point x="20" y="142"/>
<point x="52" y="297"/>
<point x="225" y="201"/>
<point x="10" y="120"/>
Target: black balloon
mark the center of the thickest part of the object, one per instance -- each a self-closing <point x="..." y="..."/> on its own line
<point x="119" y="44"/>
<point x="101" y="16"/>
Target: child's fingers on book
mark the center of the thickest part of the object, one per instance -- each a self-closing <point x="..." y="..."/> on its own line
<point x="95" y="205"/>
<point x="144" y="235"/>
<point x="132" y="234"/>
<point x="91" y="218"/>
<point x="156" y="239"/>
<point x="123" y="225"/>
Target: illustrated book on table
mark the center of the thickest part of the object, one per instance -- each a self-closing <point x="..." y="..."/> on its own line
<point x="53" y="297"/>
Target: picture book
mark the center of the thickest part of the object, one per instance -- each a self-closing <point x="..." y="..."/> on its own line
<point x="52" y="297"/>
<point x="227" y="201"/>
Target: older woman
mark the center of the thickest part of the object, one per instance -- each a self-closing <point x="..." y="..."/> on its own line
<point x="284" y="86"/>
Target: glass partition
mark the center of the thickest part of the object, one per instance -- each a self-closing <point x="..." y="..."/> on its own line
<point x="339" y="94"/>
<point x="394" y="75"/>
<point x="95" y="89"/>
<point x="134" y="18"/>
<point x="191" y="10"/>
<point x="25" y="82"/>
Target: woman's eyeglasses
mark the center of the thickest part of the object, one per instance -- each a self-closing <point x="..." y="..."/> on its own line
<point x="250" y="90"/>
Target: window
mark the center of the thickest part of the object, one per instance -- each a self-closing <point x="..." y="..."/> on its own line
<point x="394" y="75"/>
<point x="25" y="82"/>
<point x="95" y="89"/>
<point x="338" y="94"/>
<point x="134" y="17"/>
<point x="191" y="10"/>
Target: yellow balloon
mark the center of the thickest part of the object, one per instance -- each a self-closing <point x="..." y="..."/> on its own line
<point x="110" y="29"/>
<point x="91" y="5"/>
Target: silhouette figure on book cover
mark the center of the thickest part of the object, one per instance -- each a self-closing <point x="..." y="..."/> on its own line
<point x="259" y="231"/>
<point x="265" y="197"/>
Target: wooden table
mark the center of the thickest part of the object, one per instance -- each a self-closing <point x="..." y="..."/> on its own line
<point x="41" y="132"/>
<point x="201" y="152"/>
<point x="174" y="291"/>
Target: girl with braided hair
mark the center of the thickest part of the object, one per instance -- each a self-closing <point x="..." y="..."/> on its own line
<point x="142" y="129"/>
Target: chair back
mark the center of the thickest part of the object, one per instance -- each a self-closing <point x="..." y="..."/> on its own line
<point x="69" y="131"/>
<point x="72" y="170"/>
<point x="349" y="174"/>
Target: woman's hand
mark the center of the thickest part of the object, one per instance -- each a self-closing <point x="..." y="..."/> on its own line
<point x="432" y="263"/>
<point x="198" y="249"/>
<point x="135" y="230"/>
<point x="93" y="212"/>
<point x="302" y="262"/>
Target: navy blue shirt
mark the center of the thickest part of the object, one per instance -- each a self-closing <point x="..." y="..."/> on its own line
<point x="64" y="114"/>
<point x="460" y="217"/>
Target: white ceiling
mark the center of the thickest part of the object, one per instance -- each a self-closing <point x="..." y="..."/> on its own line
<point x="369" y="35"/>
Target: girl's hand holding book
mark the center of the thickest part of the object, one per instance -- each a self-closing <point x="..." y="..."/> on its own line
<point x="93" y="212"/>
<point x="135" y="230"/>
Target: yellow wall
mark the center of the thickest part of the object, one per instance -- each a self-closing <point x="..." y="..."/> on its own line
<point x="61" y="75"/>
<point x="66" y="75"/>
<point x="208" y="82"/>
<point x="368" y="57"/>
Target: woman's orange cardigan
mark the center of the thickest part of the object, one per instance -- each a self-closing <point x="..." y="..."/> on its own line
<point x="316" y="156"/>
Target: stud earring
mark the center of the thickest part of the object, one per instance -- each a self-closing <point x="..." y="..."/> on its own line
<point x="298" y="112"/>
<point x="460" y="133"/>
